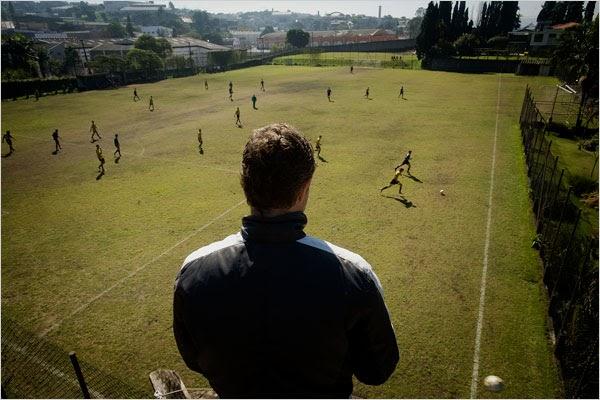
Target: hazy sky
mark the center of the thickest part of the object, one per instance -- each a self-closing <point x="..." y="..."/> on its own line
<point x="394" y="8"/>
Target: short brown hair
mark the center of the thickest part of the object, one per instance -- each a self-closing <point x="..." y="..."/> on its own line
<point x="278" y="160"/>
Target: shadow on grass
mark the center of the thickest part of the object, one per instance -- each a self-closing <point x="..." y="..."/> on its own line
<point x="322" y="159"/>
<point x="117" y="159"/>
<point x="414" y="178"/>
<point x="7" y="154"/>
<point x="401" y="199"/>
<point x="100" y="175"/>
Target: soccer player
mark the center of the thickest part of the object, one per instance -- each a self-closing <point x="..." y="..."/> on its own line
<point x="94" y="130"/>
<point x="200" y="149"/>
<point x="37" y="94"/>
<point x="135" y="95"/>
<point x="352" y="69"/>
<point x="238" y="122"/>
<point x="401" y="92"/>
<point x="230" y="93"/>
<point x="329" y="94"/>
<point x="100" y="158"/>
<point x="395" y="180"/>
<point x="262" y="84"/>
<point x="318" y="146"/>
<point x="205" y="84"/>
<point x="367" y="93"/>
<point x="151" y="104"/>
<point x="254" y="102"/>
<point x="56" y="142"/>
<point x="7" y="137"/>
<point x="117" y="145"/>
<point x="406" y="161"/>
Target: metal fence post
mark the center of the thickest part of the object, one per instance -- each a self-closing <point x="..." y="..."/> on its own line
<point x="80" y="379"/>
<point x="542" y="203"/>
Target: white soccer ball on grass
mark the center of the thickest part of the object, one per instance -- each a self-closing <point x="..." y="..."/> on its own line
<point x="493" y="383"/>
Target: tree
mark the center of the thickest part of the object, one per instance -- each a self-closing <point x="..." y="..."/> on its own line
<point x="589" y="11"/>
<point x="429" y="34"/>
<point x="297" y="38"/>
<point x="145" y="60"/>
<point x="509" y="17"/>
<point x="388" y="22"/>
<point x="574" y="11"/>
<point x="115" y="30"/>
<point x="547" y="11"/>
<point x="11" y="10"/>
<point x="414" y="27"/>
<point x="559" y="13"/>
<point x="129" y="27"/>
<point x="171" y="6"/>
<point x="576" y="59"/>
<point x="71" y="58"/>
<point x="268" y="29"/>
<point x="43" y="59"/>
<point x="108" y="64"/>
<point x="213" y="37"/>
<point x="467" y="44"/>
<point x="160" y="47"/>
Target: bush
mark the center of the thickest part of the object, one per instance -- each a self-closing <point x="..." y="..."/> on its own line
<point x="583" y="185"/>
<point x="498" y="42"/>
<point x="467" y="44"/>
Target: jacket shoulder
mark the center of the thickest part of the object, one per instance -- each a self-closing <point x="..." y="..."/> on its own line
<point x="229" y="241"/>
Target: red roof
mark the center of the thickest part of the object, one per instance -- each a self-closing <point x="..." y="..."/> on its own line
<point x="565" y="25"/>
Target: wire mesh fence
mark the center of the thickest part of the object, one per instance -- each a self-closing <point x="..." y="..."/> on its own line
<point x="37" y="368"/>
<point x="569" y="250"/>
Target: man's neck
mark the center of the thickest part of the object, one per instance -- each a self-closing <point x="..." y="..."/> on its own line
<point x="274" y="212"/>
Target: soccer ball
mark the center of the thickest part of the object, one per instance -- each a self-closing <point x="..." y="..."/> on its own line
<point x="442" y="192"/>
<point x="493" y="383"/>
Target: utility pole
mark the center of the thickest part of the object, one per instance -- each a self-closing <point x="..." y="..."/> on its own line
<point x="379" y="12"/>
<point x="86" y="59"/>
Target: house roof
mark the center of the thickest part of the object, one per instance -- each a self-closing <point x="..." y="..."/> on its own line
<point x="113" y="47"/>
<point x="188" y="41"/>
<point x="336" y="33"/>
<point x="8" y="25"/>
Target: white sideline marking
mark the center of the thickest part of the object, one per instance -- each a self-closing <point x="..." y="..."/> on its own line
<point x="475" y="377"/>
<point x="131" y="274"/>
<point x="95" y="394"/>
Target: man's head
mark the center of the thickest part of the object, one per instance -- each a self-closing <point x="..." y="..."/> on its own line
<point x="277" y="166"/>
<point x="97" y="146"/>
<point x="116" y="135"/>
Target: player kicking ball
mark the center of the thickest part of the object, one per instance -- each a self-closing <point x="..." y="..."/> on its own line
<point x="406" y="161"/>
<point x="395" y="180"/>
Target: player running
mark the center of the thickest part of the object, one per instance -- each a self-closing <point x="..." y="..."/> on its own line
<point x="205" y="84"/>
<point x="135" y="95"/>
<point x="367" y="93"/>
<point x="401" y="92"/>
<point x="254" y="102"/>
<point x="100" y="158"/>
<point x="7" y="137"/>
<point x="94" y="130"/>
<point x="395" y="180"/>
<point x="117" y="145"/>
<point x="151" y="104"/>
<point x="262" y="85"/>
<point x="230" y="93"/>
<point x="406" y="161"/>
<point x="318" y="146"/>
<point x="200" y="149"/>
<point x="238" y="122"/>
<point x="329" y="94"/>
<point x="56" y="142"/>
<point x="352" y="69"/>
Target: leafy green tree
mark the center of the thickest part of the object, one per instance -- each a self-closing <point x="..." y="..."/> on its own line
<point x="467" y="44"/>
<point x="43" y="59"/>
<point x="547" y="11"/>
<point x="70" y="61"/>
<point x="108" y="64"/>
<point x="297" y="38"/>
<point x="414" y="27"/>
<point x="559" y="13"/>
<point x="129" y="26"/>
<point x="144" y="60"/>
<point x="589" y="11"/>
<point x="160" y="47"/>
<point x="213" y="37"/>
<point x="17" y="51"/>
<point x="498" y="42"/>
<point x="115" y="30"/>
<point x="171" y="6"/>
<point x="11" y="10"/>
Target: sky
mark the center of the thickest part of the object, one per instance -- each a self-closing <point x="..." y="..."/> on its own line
<point x="394" y="8"/>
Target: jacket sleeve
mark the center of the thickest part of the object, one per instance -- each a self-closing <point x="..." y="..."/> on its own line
<point x="373" y="346"/>
<point x="185" y="342"/>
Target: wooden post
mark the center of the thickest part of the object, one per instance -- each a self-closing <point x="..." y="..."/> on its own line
<point x="564" y="256"/>
<point x="557" y="232"/>
<point x="80" y="379"/>
<point x="167" y="384"/>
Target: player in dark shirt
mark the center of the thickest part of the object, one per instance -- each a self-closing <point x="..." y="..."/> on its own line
<point x="238" y="122"/>
<point x="329" y="93"/>
<point x="7" y="137"/>
<point x="406" y="161"/>
<point x="56" y="142"/>
<point x="367" y="93"/>
<point x="200" y="149"/>
<point x="135" y="95"/>
<point x="117" y="145"/>
<point x="262" y="85"/>
<point x="254" y="102"/>
<point x="151" y="104"/>
<point x="401" y="92"/>
<point x="94" y="130"/>
<point x="100" y="158"/>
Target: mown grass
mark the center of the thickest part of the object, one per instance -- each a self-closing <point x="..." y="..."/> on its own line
<point x="406" y="60"/>
<point x="68" y="237"/>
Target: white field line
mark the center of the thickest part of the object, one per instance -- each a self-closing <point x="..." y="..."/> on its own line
<point x="86" y="304"/>
<point x="486" y="248"/>
<point x="54" y="371"/>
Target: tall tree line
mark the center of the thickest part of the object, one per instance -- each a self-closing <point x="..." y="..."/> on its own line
<point x="498" y="18"/>
<point x="560" y="12"/>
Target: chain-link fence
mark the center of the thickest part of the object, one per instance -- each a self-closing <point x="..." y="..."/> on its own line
<point x="569" y="250"/>
<point x="37" y="368"/>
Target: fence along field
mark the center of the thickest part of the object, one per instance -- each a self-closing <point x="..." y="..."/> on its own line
<point x="67" y="238"/>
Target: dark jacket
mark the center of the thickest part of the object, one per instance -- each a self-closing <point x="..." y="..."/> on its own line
<point x="271" y="312"/>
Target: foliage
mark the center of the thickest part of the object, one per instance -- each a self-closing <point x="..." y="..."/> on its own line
<point x="146" y="60"/>
<point x="577" y="53"/>
<point x="441" y="26"/>
<point x="213" y="37"/>
<point x="224" y="58"/>
<point x="115" y="30"/>
<point x="558" y="12"/>
<point x="108" y="64"/>
<point x="42" y="59"/>
<point x="467" y="44"/>
<point x="498" y="18"/>
<point x="498" y="42"/>
<point x="160" y="46"/>
<point x="129" y="27"/>
<point x="177" y="62"/>
<point x="70" y="61"/>
<point x="429" y="31"/>
<point x="17" y="52"/>
<point x="414" y="27"/>
<point x="589" y="11"/>
<point x="297" y="38"/>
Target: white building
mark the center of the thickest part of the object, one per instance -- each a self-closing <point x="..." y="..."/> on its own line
<point x="245" y="39"/>
<point x="157" y="31"/>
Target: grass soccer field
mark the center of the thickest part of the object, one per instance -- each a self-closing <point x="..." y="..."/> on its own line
<point x="90" y="264"/>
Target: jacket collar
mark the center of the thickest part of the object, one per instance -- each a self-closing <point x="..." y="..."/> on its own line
<point x="283" y="228"/>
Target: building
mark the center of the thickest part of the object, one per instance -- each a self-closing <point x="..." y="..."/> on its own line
<point x="245" y="39"/>
<point x="142" y="7"/>
<point x="157" y="31"/>
<point x="546" y="36"/>
<point x="330" y="38"/>
<point x="116" y="6"/>
<point x="197" y="49"/>
<point x="7" y="27"/>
